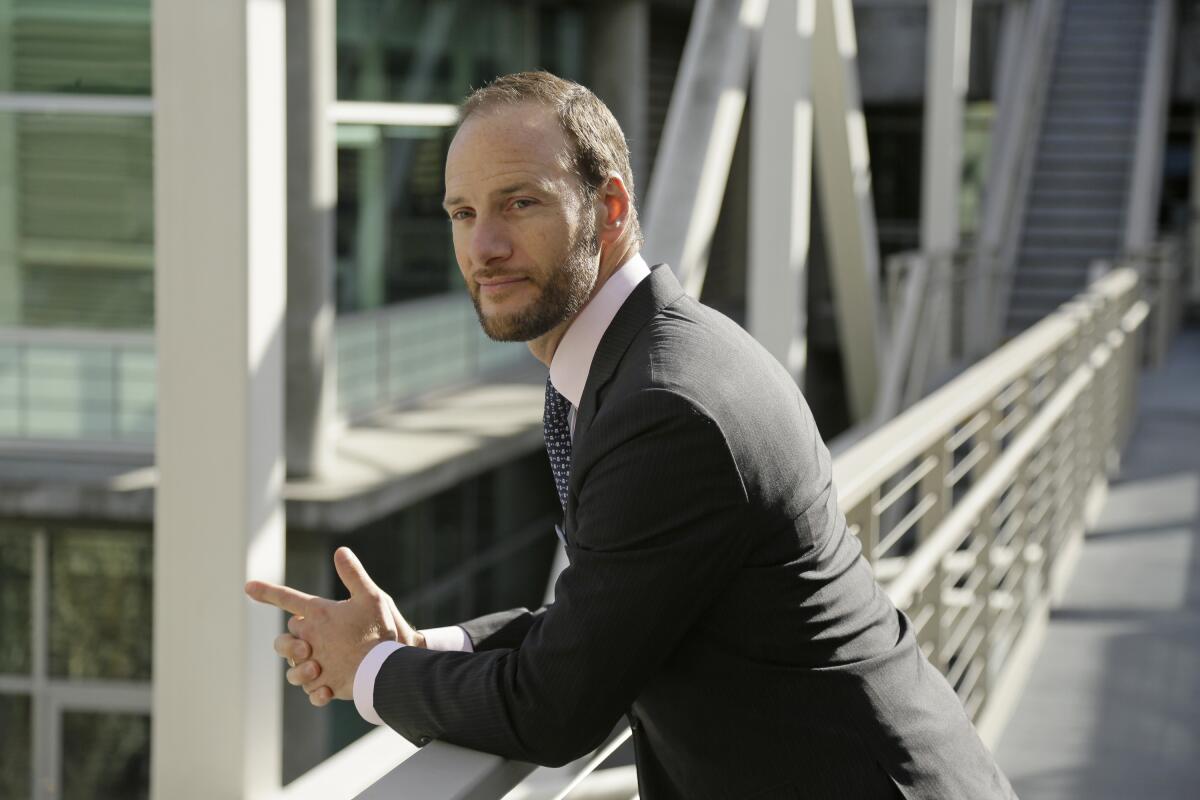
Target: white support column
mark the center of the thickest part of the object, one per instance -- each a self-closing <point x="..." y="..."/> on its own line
<point x="781" y="183"/>
<point x="946" y="62"/>
<point x="219" y="187"/>
<point x="699" y="136"/>
<point x="844" y="180"/>
<point x="312" y="194"/>
<point x="948" y="49"/>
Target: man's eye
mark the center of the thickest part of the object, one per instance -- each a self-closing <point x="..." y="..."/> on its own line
<point x="523" y="202"/>
<point x="460" y="215"/>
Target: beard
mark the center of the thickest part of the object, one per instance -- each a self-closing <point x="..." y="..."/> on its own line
<point x="563" y="294"/>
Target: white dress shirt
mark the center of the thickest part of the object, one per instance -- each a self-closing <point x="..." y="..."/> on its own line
<point x="568" y="372"/>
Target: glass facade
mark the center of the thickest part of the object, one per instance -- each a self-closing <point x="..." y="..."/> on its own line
<point x="88" y="591"/>
<point x="101" y="598"/>
<point x="75" y="46"/>
<point x="16" y="610"/>
<point x="17" y="752"/>
<point x="393" y="238"/>
<point x="106" y="756"/>
<point x="76" y="194"/>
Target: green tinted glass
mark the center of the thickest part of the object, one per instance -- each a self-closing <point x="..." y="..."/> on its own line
<point x="76" y="221"/>
<point x="100" y="604"/>
<point x="429" y="51"/>
<point x="105" y="756"/>
<point x="16" y="568"/>
<point x="75" y="46"/>
<point x="15" y="751"/>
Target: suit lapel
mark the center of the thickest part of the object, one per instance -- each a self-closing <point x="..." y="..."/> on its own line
<point x="652" y="295"/>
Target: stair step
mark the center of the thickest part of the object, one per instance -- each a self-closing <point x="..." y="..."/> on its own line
<point x="1034" y="296"/>
<point x="1048" y="200"/>
<point x="1057" y="124"/>
<point x="1088" y="140"/>
<point x="1100" y="106"/>
<point x="1035" y="237"/>
<point x="1054" y="285"/>
<point x="1118" y="182"/>
<point x="1067" y="216"/>
<point x="1097" y="162"/>
<point x="1112" y="50"/>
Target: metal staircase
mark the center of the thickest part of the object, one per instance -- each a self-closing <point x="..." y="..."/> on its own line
<point x="1080" y="185"/>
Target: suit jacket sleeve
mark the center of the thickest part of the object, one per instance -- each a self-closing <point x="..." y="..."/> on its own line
<point x="501" y="629"/>
<point x="658" y="532"/>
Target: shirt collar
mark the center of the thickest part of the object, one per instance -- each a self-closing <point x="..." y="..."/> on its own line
<point x="573" y="359"/>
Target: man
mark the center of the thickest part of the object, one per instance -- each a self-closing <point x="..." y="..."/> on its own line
<point x="713" y="593"/>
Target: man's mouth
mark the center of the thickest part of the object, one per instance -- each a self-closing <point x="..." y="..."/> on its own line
<point x="495" y="285"/>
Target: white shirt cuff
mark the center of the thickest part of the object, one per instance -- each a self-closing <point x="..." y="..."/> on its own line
<point x="451" y="637"/>
<point x="364" y="680"/>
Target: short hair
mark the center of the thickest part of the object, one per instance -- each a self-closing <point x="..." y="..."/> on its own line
<point x="597" y="141"/>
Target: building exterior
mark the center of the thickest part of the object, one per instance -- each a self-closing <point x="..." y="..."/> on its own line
<point x="448" y="501"/>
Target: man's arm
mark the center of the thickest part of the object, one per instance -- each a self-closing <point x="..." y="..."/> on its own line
<point x="659" y="530"/>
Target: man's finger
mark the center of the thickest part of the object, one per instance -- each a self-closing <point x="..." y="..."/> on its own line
<point x="297" y="627"/>
<point x="283" y="597"/>
<point x="321" y="697"/>
<point x="304" y="674"/>
<point x="288" y="646"/>
<point x="352" y="572"/>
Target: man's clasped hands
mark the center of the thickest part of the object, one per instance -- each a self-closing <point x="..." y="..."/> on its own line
<point x="328" y="639"/>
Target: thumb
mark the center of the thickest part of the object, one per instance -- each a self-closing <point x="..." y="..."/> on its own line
<point x="352" y="572"/>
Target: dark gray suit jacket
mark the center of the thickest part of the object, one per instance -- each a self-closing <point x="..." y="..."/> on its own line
<point x="714" y="595"/>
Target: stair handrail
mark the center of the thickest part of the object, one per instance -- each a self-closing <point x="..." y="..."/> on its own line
<point x="1018" y="121"/>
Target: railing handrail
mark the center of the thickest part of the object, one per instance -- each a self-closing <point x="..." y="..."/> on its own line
<point x="864" y="466"/>
<point x="957" y="524"/>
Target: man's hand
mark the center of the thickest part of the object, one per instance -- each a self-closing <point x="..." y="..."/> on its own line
<point x="329" y="639"/>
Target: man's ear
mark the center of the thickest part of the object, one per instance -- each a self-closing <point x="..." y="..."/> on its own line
<point x="614" y="207"/>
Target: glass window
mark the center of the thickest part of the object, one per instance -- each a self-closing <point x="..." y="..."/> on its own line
<point x="105" y="756"/>
<point x="76" y="46"/>
<point x="15" y="754"/>
<point x="393" y="239"/>
<point x="429" y="51"/>
<point x="76" y="221"/>
<point x="16" y="637"/>
<point x="100" y="604"/>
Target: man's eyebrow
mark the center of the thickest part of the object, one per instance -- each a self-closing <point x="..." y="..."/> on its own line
<point x="513" y="188"/>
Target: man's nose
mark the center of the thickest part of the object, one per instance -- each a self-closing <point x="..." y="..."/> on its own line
<point x="489" y="242"/>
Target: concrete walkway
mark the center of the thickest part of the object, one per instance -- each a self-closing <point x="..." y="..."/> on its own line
<point x="1112" y="707"/>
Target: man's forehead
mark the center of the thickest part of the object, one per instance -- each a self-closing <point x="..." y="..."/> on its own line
<point x="497" y="143"/>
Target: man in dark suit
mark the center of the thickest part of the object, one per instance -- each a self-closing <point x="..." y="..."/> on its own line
<point x="713" y="593"/>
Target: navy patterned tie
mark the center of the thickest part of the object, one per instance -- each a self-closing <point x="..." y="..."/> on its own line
<point x="557" y="430"/>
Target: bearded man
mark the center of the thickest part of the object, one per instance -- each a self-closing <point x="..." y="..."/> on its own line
<point x="714" y="595"/>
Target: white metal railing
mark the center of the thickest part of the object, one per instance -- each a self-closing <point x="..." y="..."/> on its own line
<point x="967" y="502"/>
<point x="95" y="390"/>
<point x="969" y="505"/>
<point x="77" y="388"/>
<point x="1162" y="271"/>
<point x="404" y="350"/>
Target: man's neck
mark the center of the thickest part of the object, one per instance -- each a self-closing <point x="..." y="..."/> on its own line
<point x="544" y="347"/>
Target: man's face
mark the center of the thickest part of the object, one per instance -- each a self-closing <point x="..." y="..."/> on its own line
<point x="524" y="232"/>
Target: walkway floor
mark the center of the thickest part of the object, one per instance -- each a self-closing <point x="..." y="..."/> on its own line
<point x="1112" y="707"/>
